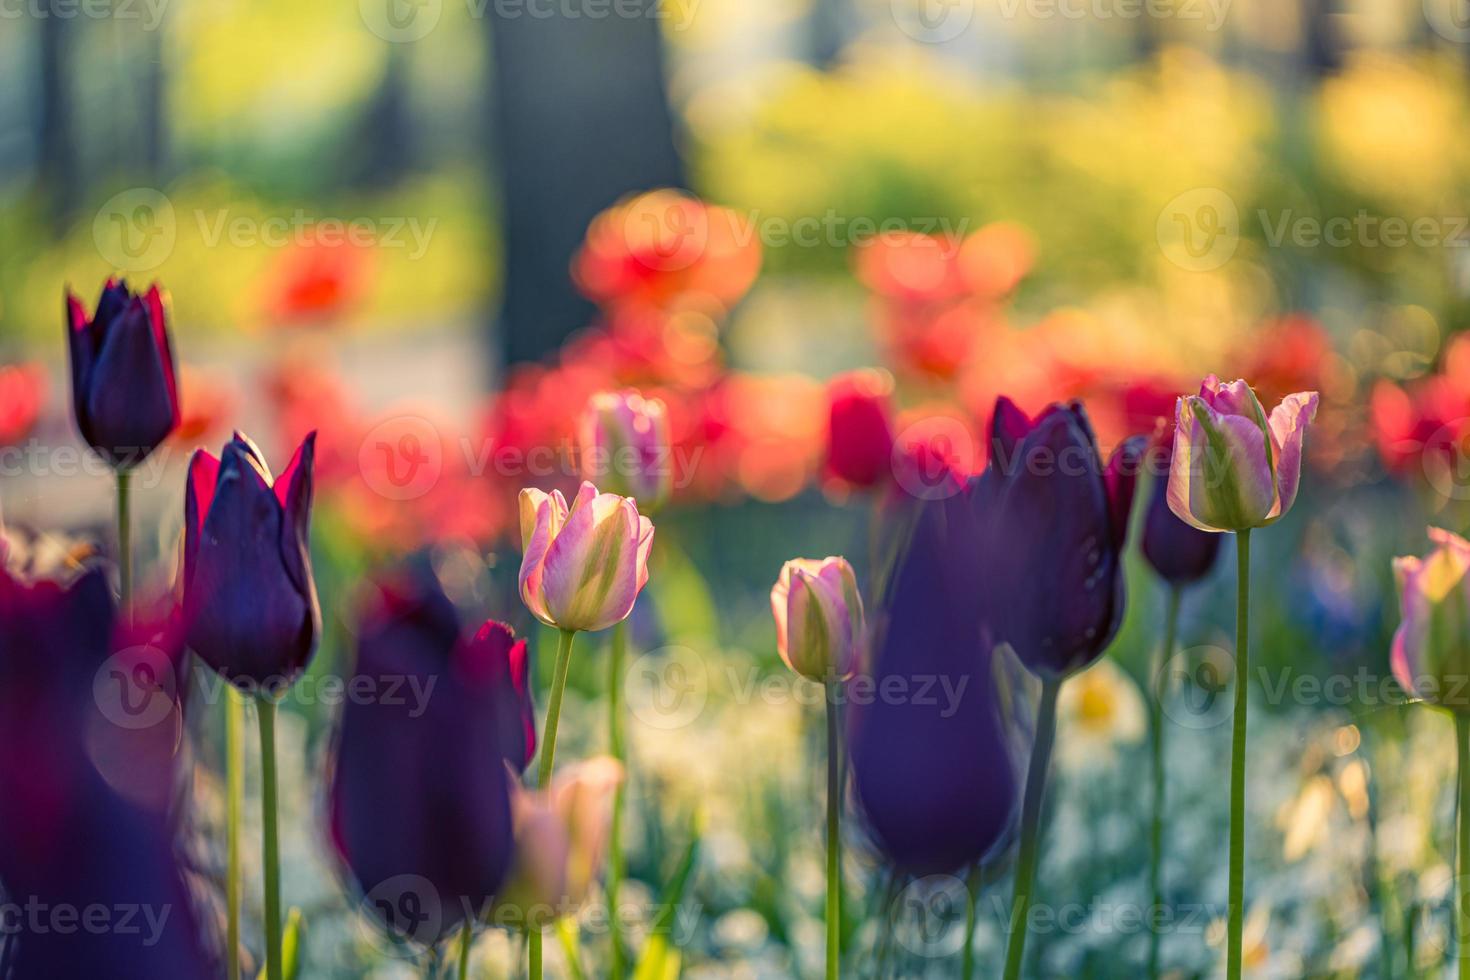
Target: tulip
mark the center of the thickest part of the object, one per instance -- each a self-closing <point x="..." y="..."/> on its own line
<point x="1431" y="659"/>
<point x="1057" y="521"/>
<point x="123" y="391"/>
<point x="1234" y="469"/>
<point x="585" y="565"/>
<point x="419" y="785"/>
<point x="819" y="618"/>
<point x="251" y="608"/>
<point x="1179" y="553"/>
<point x="860" y="428"/>
<point x="84" y="823"/>
<point x="625" y="446"/>
<point x="249" y="596"/>
<point x="582" y="569"/>
<point x="819" y="631"/>
<point x="561" y="841"/>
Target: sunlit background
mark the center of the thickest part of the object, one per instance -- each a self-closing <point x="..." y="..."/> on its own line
<point x="438" y="226"/>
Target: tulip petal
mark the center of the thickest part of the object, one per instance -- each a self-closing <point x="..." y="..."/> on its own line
<point x="1220" y="478"/>
<point x="293" y="488"/>
<point x="1008" y="426"/>
<point x="590" y="577"/>
<point x="1288" y="426"/>
<point x="198" y="495"/>
<point x="541" y="521"/>
<point x="153" y="300"/>
<point x="1121" y="479"/>
<point x="130" y="407"/>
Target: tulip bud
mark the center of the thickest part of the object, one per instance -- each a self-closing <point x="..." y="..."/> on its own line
<point x="420" y="791"/>
<point x="625" y="446"/>
<point x="561" y="840"/>
<point x="1057" y="521"/>
<point x="583" y="566"/>
<point x="819" y="618"/>
<point x="122" y="373"/>
<point x="1431" y="648"/>
<point x="859" y="428"/>
<point x="1180" y="554"/>
<point x="1233" y="468"/>
<point x="249" y="597"/>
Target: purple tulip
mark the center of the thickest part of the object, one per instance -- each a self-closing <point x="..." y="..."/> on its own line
<point x="83" y="801"/>
<point x="1179" y="553"/>
<point x="420" y="810"/>
<point x="1057" y="521"/>
<point x="249" y="598"/>
<point x="934" y="777"/>
<point x="122" y="373"/>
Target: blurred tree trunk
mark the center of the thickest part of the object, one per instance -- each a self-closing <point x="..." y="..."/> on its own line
<point x="581" y="117"/>
<point x="154" y="128"/>
<point x="381" y="152"/>
<point x="828" y="30"/>
<point x="1321" y="42"/>
<point x="58" y="159"/>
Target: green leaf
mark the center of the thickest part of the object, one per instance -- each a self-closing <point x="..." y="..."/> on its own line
<point x="566" y="931"/>
<point x="290" y="946"/>
<point x="660" y="959"/>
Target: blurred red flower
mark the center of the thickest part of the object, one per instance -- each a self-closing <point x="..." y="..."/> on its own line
<point x="315" y="283"/>
<point x="22" y="395"/>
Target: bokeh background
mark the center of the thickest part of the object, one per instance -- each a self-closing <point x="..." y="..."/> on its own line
<point x="431" y="229"/>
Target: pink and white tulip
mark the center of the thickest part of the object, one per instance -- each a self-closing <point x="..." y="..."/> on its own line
<point x="625" y="446"/>
<point x="584" y="565"/>
<point x="1431" y="648"/>
<point x="1233" y="467"/>
<point x="819" y="618"/>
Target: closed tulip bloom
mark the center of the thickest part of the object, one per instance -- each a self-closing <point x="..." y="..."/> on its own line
<point x="1233" y="467"/>
<point x="249" y="597"/>
<point x="820" y="627"/>
<point x="420" y="789"/>
<point x="860" y="428"/>
<point x="935" y="779"/>
<point x="123" y="390"/>
<point x="1431" y="648"/>
<point x="83" y="824"/>
<point x="584" y="565"/>
<point x="1057" y="519"/>
<point x="1179" y="553"/>
<point x="561" y="840"/>
<point x="625" y="446"/>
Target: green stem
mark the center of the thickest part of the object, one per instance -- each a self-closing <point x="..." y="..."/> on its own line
<point x="235" y="802"/>
<point x="266" y="711"/>
<point x="1156" y="744"/>
<point x="466" y="939"/>
<point x="972" y="900"/>
<point x="1046" y="730"/>
<point x="1462" y="891"/>
<point x="1237" y="754"/>
<point x="616" y="865"/>
<point x="125" y="541"/>
<point x="548" y="758"/>
<point x="834" y="835"/>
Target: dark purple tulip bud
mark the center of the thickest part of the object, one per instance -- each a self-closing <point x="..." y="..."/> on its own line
<point x="249" y="597"/>
<point x="1057" y="521"/>
<point x="122" y="373"/>
<point x="84" y="821"/>
<point x="420" y="811"/>
<point x="1181" y="554"/>
<point x="934" y="777"/>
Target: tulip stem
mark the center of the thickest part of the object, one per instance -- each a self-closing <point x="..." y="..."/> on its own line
<point x="1156" y="747"/>
<point x="616" y="864"/>
<point x="235" y="802"/>
<point x="972" y="899"/>
<point x="466" y="939"/>
<point x="1046" y="730"/>
<point x="1462" y="896"/>
<point x="1237" y="753"/>
<point x="125" y="542"/>
<point x="834" y="834"/>
<point x="266" y="712"/>
<point x="548" y="759"/>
